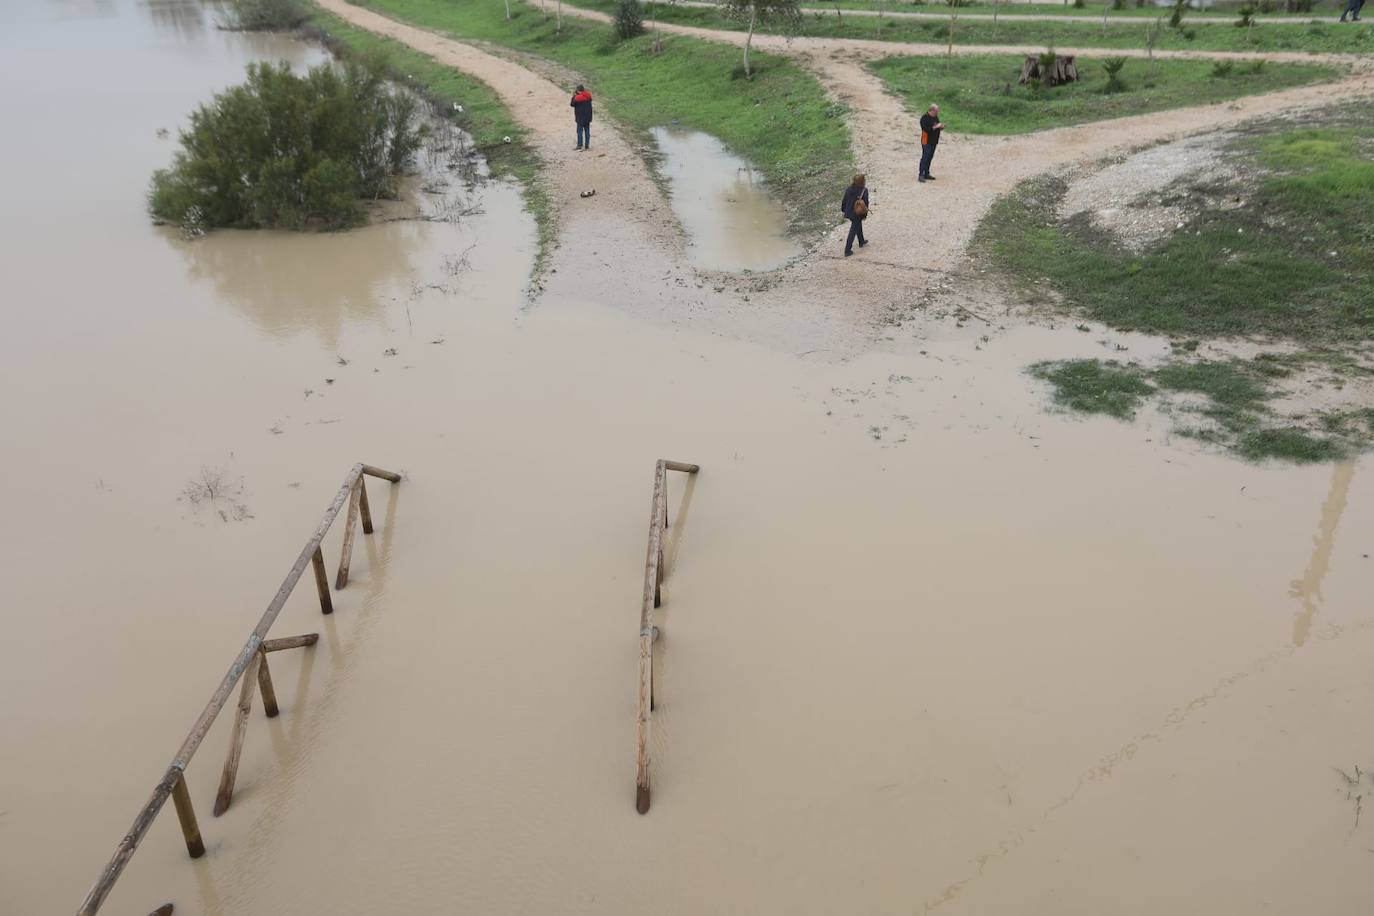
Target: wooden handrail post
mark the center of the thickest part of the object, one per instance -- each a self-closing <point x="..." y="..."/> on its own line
<point x="364" y="510"/>
<point x="269" y="696"/>
<point x="231" y="762"/>
<point x="346" y="551"/>
<point x="290" y="642"/>
<point x="322" y="582"/>
<point x="186" y="814"/>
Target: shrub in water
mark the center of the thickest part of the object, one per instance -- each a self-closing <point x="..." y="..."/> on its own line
<point x="265" y="15"/>
<point x="290" y="151"/>
<point x="629" y="19"/>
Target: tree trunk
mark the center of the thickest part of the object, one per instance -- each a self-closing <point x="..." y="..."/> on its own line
<point x="507" y="9"/>
<point x="749" y="39"/>
<point x="558" y="23"/>
<point x="544" y="6"/>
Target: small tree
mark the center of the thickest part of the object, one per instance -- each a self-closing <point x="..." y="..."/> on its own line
<point x="1112" y="66"/>
<point x="629" y="19"/>
<point x="785" y="13"/>
<point x="1176" y="16"/>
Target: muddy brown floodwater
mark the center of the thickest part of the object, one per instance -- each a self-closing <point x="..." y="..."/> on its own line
<point x="722" y="203"/>
<point x="928" y="647"/>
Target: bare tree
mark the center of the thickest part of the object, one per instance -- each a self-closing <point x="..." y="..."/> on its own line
<point x="785" y="13"/>
<point x="507" y="9"/>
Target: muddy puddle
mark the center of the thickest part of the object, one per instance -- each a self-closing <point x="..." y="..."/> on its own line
<point x="927" y="647"/>
<point x="731" y="220"/>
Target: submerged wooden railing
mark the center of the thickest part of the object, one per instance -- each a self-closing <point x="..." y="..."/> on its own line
<point x="250" y="667"/>
<point x="652" y="598"/>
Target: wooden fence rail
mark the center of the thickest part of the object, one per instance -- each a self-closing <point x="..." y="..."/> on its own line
<point x="250" y="667"/>
<point x="652" y="598"/>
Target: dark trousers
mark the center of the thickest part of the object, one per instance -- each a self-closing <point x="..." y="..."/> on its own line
<point x="927" y="154"/>
<point x="1352" y="7"/>
<point x="584" y="135"/>
<point x="856" y="230"/>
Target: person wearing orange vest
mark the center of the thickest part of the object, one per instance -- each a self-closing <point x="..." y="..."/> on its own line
<point x="931" y="125"/>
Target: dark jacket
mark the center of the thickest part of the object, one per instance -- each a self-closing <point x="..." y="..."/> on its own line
<point x="930" y="134"/>
<point x="582" y="107"/>
<point x="852" y="194"/>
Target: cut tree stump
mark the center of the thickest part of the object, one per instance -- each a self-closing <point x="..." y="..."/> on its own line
<point x="1063" y="70"/>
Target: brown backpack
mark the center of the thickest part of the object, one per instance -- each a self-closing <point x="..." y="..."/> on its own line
<point x="860" y="209"/>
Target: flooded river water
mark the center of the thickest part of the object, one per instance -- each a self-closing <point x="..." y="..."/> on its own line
<point x="927" y="647"/>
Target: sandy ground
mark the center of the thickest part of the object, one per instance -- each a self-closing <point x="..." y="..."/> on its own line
<point x="928" y="647"/>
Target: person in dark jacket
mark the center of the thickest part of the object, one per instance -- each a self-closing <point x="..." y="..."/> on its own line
<point x="853" y="194"/>
<point x="582" y="113"/>
<point x="931" y="125"/>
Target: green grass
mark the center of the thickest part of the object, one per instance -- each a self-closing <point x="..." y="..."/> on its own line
<point x="1231" y="398"/>
<point x="483" y="118"/>
<point x="1091" y="386"/>
<point x="1289" y="262"/>
<point x="979" y="94"/>
<point x="780" y="120"/>
<point x="1128" y="32"/>
<point x="1092" y="10"/>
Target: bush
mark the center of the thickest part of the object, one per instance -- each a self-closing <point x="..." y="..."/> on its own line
<point x="1247" y="15"/>
<point x="629" y="19"/>
<point x="267" y="15"/>
<point x="1222" y="68"/>
<point x="289" y="151"/>
<point x="1112" y="66"/>
<point x="1176" y="15"/>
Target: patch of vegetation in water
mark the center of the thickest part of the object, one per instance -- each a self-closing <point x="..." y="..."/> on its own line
<point x="288" y="151"/>
<point x="780" y="120"/>
<point x="1289" y="260"/>
<point x="265" y="15"/>
<point x="979" y="94"/>
<point x="1093" y="386"/>
<point x="1225" y="403"/>
<point x="482" y="117"/>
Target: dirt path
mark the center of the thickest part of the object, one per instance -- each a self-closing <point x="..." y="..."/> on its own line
<point x="918" y="228"/>
<point x="1143" y="21"/>
<point x="624" y="246"/>
<point x="643" y="226"/>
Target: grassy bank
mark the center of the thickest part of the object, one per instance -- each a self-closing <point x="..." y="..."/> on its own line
<point x="1277" y="249"/>
<point x="1122" y="33"/>
<point x="1271" y="242"/>
<point x="483" y="117"/>
<point x="780" y="120"/>
<point x="1227" y="403"/>
<point x="980" y="95"/>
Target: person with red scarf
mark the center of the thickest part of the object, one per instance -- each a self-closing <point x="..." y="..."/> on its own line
<point x="582" y="113"/>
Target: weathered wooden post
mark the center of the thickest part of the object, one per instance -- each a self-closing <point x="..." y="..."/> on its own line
<point x="346" y="551"/>
<point x="322" y="582"/>
<point x="186" y="814"/>
<point x="269" y="696"/>
<point x="240" y="729"/>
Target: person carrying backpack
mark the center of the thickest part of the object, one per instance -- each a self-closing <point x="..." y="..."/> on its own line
<point x="582" y="113"/>
<point x="854" y="206"/>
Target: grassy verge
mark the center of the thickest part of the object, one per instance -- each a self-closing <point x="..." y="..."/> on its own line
<point x="980" y="95"/>
<point x="780" y="120"/>
<point x="1223" y="403"/>
<point x="483" y="118"/>
<point x="1270" y="245"/>
<point x="1276" y="250"/>
<point x="1121" y="33"/>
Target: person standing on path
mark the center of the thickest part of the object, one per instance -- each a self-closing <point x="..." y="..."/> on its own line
<point x="1354" y="6"/>
<point x="582" y="113"/>
<point x="931" y="125"/>
<point x="855" y="209"/>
